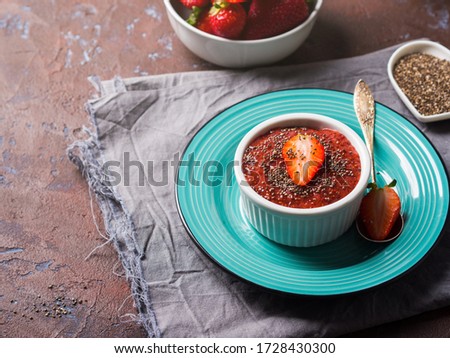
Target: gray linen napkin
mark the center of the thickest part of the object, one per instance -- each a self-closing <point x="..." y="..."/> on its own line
<point x="178" y="291"/>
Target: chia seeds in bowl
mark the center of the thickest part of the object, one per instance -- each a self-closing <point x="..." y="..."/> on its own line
<point x="419" y="73"/>
<point x="425" y="80"/>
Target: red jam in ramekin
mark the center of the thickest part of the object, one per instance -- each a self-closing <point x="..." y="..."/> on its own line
<point x="265" y="169"/>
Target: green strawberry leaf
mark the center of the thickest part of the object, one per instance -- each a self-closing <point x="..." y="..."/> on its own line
<point x="311" y="4"/>
<point x="392" y="184"/>
<point x="195" y="14"/>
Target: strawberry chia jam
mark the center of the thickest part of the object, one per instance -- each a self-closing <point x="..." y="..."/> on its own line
<point x="265" y="169"/>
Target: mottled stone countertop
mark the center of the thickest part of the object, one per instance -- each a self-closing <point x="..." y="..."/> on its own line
<point x="47" y="50"/>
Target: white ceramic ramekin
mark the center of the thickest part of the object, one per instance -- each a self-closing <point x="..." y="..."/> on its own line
<point x="237" y="53"/>
<point x="423" y="46"/>
<point x="302" y="227"/>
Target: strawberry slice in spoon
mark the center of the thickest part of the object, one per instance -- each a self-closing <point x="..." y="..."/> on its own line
<point x="303" y="155"/>
<point x="379" y="211"/>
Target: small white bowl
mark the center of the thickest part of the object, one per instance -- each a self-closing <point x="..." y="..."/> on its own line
<point x="237" y="53"/>
<point x="301" y="227"/>
<point x="423" y="46"/>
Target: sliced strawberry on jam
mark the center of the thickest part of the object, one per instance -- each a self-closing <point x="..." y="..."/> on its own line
<point x="303" y="155"/>
<point x="379" y="211"/>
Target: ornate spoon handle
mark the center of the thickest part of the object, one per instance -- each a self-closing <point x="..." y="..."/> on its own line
<point x="365" y="111"/>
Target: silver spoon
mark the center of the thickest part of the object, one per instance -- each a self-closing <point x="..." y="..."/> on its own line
<point x="365" y="111"/>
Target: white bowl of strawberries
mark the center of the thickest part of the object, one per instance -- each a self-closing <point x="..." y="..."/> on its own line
<point x="242" y="33"/>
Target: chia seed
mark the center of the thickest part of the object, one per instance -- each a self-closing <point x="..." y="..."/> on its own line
<point x="425" y="80"/>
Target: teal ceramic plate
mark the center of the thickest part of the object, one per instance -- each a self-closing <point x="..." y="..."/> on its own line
<point x="209" y="204"/>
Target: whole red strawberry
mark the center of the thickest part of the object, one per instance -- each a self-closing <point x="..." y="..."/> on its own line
<point x="204" y="23"/>
<point x="191" y="3"/>
<point x="227" y="19"/>
<point x="379" y="211"/>
<point x="230" y="1"/>
<point x="267" y="18"/>
<point x="199" y="18"/>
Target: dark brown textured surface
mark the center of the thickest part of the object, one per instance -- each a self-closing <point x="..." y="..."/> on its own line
<point x="47" y="50"/>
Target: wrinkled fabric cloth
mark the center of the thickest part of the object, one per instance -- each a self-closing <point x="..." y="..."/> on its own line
<point x="179" y="292"/>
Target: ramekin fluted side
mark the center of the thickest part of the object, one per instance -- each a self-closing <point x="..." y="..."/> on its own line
<point x="300" y="231"/>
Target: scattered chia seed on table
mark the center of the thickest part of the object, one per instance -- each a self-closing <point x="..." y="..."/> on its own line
<point x="425" y="80"/>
